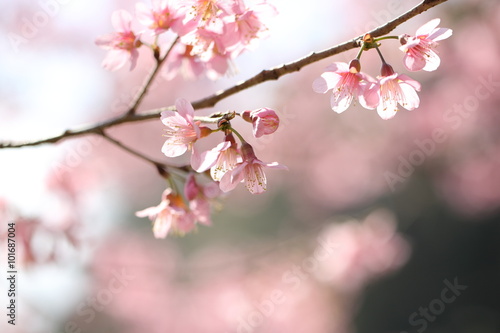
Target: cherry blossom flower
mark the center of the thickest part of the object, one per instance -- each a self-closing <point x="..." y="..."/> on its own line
<point x="219" y="160"/>
<point x="396" y="88"/>
<point x="122" y="44"/>
<point x="265" y="121"/>
<point x="165" y="15"/>
<point x="250" y="171"/>
<point x="182" y="130"/>
<point x="419" y="53"/>
<point x="182" y="60"/>
<point x="171" y="215"/>
<point x="361" y="252"/>
<point x="346" y="82"/>
<point x="199" y="197"/>
<point x="247" y="25"/>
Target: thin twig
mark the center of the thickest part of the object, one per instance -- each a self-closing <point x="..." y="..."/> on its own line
<point x="265" y="75"/>
<point x="131" y="151"/>
<point x="142" y="93"/>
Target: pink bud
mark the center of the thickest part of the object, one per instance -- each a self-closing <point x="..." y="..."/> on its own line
<point x="265" y="121"/>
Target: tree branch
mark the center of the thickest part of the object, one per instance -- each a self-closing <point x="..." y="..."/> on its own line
<point x="265" y="75"/>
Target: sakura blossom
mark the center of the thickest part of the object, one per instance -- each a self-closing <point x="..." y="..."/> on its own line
<point x="419" y="49"/>
<point x="122" y="44"/>
<point x="171" y="215"/>
<point x="250" y="171"/>
<point x="362" y="251"/>
<point x="396" y="88"/>
<point x="199" y="197"/>
<point x="265" y="121"/>
<point x="164" y="15"/>
<point x="182" y="131"/>
<point x="346" y="82"/>
<point x="219" y="160"/>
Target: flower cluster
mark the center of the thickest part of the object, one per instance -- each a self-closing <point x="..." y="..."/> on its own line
<point x="229" y="163"/>
<point x="389" y="89"/>
<point x="210" y="33"/>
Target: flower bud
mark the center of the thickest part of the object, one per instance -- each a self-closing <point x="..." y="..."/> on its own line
<point x="265" y="121"/>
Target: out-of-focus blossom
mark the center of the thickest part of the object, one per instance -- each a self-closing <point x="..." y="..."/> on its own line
<point x="362" y="251"/>
<point x="171" y="215"/>
<point x="346" y="82"/>
<point x="182" y="130"/>
<point x="219" y="160"/>
<point x="396" y="88"/>
<point x="122" y="44"/>
<point x="199" y="197"/>
<point x="250" y="170"/>
<point x="265" y="121"/>
<point x="247" y="25"/>
<point x="419" y="53"/>
<point x="182" y="60"/>
<point x="165" y="15"/>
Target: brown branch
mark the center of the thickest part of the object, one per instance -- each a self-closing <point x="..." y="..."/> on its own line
<point x="265" y="75"/>
<point x="142" y="93"/>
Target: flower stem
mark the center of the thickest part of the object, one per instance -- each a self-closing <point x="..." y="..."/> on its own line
<point x="381" y="56"/>
<point x="385" y="37"/>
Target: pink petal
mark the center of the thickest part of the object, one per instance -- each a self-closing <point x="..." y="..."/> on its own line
<point x="229" y="182"/>
<point x="204" y="161"/>
<point x="411" y="100"/>
<point x="413" y="63"/>
<point x="388" y="109"/>
<point x="440" y="34"/>
<point x="185" y="109"/>
<point x="341" y="99"/>
<point x="433" y="61"/>
<point x="173" y="150"/>
<point x="143" y="14"/>
<point x="338" y="67"/>
<point x="115" y="59"/>
<point x="427" y="28"/>
<point x="121" y="20"/>
<point x="370" y="97"/>
<point x="408" y="80"/>
<point x="327" y="81"/>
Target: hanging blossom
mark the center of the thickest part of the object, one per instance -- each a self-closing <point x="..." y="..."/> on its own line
<point x="122" y="44"/>
<point x="222" y="158"/>
<point x="182" y="131"/>
<point x="250" y="170"/>
<point x="419" y="53"/>
<point x="171" y="215"/>
<point x="396" y="88"/>
<point x="347" y="82"/>
<point x="265" y="121"/>
<point x="200" y="197"/>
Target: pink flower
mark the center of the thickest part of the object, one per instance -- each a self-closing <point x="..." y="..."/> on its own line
<point x="170" y="215"/>
<point x="219" y="160"/>
<point x="346" y="82"/>
<point x="165" y="15"/>
<point x="247" y="25"/>
<point x="182" y="130"/>
<point x="122" y="44"/>
<point x="250" y="170"/>
<point x="264" y="120"/>
<point x="181" y="59"/>
<point x="419" y="53"/>
<point x="199" y="197"/>
<point x="396" y="88"/>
